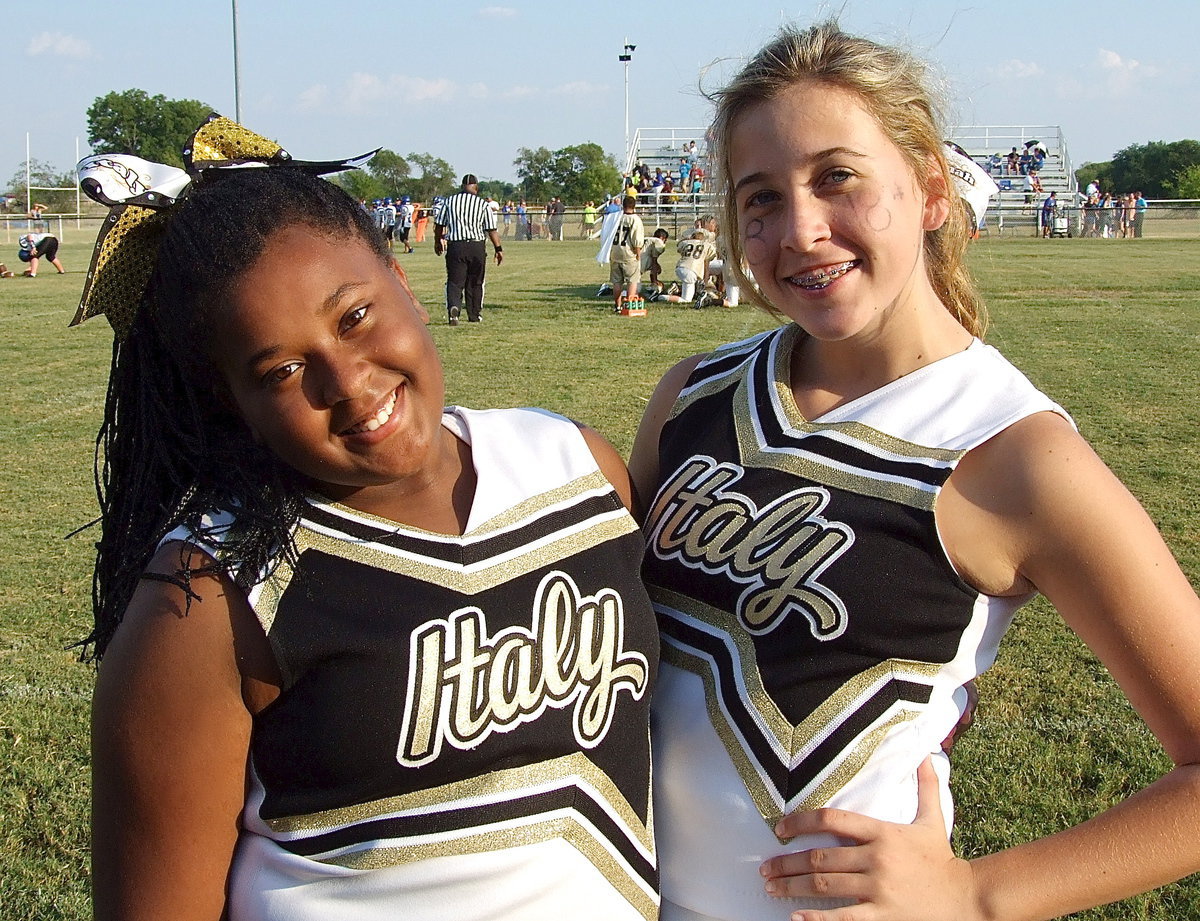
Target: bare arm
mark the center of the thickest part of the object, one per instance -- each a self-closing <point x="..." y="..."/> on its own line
<point x="170" y="736"/>
<point x="498" y="249"/>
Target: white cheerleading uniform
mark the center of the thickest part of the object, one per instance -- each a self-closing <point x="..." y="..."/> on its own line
<point x="816" y="638"/>
<point x="463" y="726"/>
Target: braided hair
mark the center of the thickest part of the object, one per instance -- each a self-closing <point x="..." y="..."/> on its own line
<point x="171" y="450"/>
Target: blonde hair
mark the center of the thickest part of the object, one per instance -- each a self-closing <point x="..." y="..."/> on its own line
<point x="892" y="87"/>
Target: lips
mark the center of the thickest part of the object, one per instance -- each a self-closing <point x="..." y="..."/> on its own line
<point x="822" y="277"/>
<point x="376" y="419"/>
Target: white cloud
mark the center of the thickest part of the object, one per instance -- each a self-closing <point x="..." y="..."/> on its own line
<point x="520" y="91"/>
<point x="365" y="93"/>
<point x="497" y="12"/>
<point x="314" y="98"/>
<point x="578" y="88"/>
<point x="478" y="91"/>
<point x="59" y="45"/>
<point x="1019" y="70"/>
<point x="1121" y="75"/>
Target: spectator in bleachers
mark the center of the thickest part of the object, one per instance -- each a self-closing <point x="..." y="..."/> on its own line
<point x="995" y="165"/>
<point x="668" y="190"/>
<point x="1093" y="188"/>
<point x="690" y="151"/>
<point x="685" y="170"/>
<point x="1032" y="187"/>
<point x="1014" y="160"/>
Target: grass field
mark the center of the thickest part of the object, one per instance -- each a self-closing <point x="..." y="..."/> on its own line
<point x="1111" y="329"/>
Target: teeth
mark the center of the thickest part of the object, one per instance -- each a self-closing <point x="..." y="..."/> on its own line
<point x="378" y="419"/>
<point x="822" y="278"/>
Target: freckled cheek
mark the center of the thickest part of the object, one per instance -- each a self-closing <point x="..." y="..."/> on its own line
<point x="755" y="244"/>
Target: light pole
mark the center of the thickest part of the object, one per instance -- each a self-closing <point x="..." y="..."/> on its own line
<point x="625" y="57"/>
<point x="237" y="79"/>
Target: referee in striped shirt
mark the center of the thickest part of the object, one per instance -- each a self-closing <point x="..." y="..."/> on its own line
<point x="460" y="225"/>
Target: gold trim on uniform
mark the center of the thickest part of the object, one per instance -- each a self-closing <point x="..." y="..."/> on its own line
<point x="782" y="734"/>
<point x="566" y="828"/>
<point x="528" y="829"/>
<point x="594" y="482"/>
<point x="752" y="450"/>
<point x="515" y="781"/>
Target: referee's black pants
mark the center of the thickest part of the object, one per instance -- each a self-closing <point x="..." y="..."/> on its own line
<point x="466" y="261"/>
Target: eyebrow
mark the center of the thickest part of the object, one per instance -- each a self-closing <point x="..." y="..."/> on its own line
<point x="330" y="303"/>
<point x="813" y="158"/>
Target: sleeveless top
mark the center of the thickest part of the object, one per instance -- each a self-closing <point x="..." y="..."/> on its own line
<point x="463" y="726"/>
<point x="816" y="637"/>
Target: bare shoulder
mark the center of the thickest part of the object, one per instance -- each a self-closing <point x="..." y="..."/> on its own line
<point x="643" y="461"/>
<point x="611" y="465"/>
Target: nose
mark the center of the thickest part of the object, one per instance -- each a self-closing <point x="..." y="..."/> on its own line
<point x="340" y="377"/>
<point x="806" y="222"/>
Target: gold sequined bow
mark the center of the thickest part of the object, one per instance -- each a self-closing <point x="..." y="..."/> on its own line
<point x="140" y="196"/>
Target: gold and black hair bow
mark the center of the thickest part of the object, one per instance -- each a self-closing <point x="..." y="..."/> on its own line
<point x="141" y="195"/>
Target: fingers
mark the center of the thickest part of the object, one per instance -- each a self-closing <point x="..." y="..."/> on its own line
<point x="839" y="822"/>
<point x="929" y="796"/>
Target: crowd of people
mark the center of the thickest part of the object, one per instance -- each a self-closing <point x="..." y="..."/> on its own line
<point x="1099" y="214"/>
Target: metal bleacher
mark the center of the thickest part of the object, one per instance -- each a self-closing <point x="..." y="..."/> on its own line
<point x="1057" y="173"/>
<point x="662" y="148"/>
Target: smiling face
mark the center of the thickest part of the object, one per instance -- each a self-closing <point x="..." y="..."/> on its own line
<point x="326" y="356"/>
<point x="831" y="218"/>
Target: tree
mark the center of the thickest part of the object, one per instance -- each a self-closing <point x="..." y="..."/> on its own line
<point x="535" y="170"/>
<point x="360" y="185"/>
<point x="437" y="177"/>
<point x="1100" y="173"/>
<point x="585" y="172"/>
<point x="390" y="170"/>
<point x="152" y="127"/>
<point x="1186" y="183"/>
<point x="1153" y="167"/>
<point x="499" y="189"/>
<point x="578" y="173"/>
<point x="43" y="176"/>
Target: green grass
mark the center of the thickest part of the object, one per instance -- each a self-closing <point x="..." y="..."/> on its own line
<point x="1110" y="329"/>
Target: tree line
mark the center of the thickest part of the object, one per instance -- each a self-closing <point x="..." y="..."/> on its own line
<point x="156" y="128"/>
<point x="1159" y="169"/>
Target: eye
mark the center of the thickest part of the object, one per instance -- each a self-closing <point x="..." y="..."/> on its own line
<point x="760" y="198"/>
<point x="838" y="176"/>
<point x="353" y="317"/>
<point x="281" y="373"/>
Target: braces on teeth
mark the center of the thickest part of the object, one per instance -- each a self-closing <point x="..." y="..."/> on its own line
<point x="823" y="278"/>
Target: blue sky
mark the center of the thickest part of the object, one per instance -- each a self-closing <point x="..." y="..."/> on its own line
<point x="473" y="82"/>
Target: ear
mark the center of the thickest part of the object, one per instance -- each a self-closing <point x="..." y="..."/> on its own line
<point x="416" y="304"/>
<point x="937" y="196"/>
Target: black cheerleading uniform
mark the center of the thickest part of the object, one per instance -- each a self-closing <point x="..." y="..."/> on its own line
<point x="816" y="637"/>
<point x="463" y="726"/>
